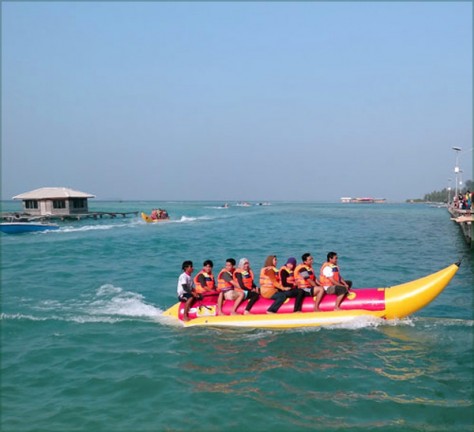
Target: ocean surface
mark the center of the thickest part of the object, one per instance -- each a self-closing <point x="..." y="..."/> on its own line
<point x="84" y="345"/>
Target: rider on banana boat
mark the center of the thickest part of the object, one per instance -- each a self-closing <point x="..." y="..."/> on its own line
<point x="332" y="281"/>
<point x="228" y="288"/>
<point x="204" y="280"/>
<point x="306" y="280"/>
<point x="243" y="275"/>
<point x="186" y="288"/>
<point x="271" y="286"/>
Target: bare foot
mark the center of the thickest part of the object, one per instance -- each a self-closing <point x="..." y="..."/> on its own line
<point x="219" y="312"/>
<point x="316" y="309"/>
<point x="337" y="308"/>
<point x="246" y="312"/>
<point x="185" y="318"/>
<point x="270" y="312"/>
<point x="234" y="313"/>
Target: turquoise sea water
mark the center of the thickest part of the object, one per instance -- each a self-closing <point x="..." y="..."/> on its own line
<point x="85" y="347"/>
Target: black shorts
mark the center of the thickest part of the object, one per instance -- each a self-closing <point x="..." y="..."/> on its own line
<point x="186" y="296"/>
<point x="338" y="290"/>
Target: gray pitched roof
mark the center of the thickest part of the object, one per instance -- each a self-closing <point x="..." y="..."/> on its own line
<point x="52" y="193"/>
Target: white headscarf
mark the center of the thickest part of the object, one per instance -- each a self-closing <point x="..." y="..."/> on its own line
<point x="242" y="261"/>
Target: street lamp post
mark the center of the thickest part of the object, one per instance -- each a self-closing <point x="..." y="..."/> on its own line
<point x="449" y="191"/>
<point x="456" y="168"/>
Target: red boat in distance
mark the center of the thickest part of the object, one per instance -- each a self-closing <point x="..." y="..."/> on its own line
<point x="364" y="200"/>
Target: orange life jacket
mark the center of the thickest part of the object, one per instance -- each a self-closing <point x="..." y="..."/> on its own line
<point x="301" y="282"/>
<point x="267" y="286"/>
<point x="290" y="280"/>
<point x="247" y="278"/>
<point x="210" y="282"/>
<point x="222" y="284"/>
<point x="325" y="282"/>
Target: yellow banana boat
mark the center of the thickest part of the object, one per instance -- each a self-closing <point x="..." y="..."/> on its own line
<point x="148" y="219"/>
<point x="387" y="303"/>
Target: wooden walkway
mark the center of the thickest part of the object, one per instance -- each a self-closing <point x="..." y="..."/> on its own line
<point x="464" y="219"/>
<point x="26" y="217"/>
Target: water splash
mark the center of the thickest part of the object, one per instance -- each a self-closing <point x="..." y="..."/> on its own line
<point x="108" y="304"/>
<point x="187" y="219"/>
<point x="98" y="227"/>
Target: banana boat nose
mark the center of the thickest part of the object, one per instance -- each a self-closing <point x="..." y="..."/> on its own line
<point x="405" y="299"/>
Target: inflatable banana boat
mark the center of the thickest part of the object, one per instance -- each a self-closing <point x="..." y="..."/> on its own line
<point x="148" y="219"/>
<point x="387" y="303"/>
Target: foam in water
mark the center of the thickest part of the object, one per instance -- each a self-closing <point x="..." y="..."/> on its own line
<point x="119" y="308"/>
<point x="113" y="300"/>
<point x="98" y="227"/>
<point x="109" y="304"/>
<point x="192" y="219"/>
<point x="370" y="322"/>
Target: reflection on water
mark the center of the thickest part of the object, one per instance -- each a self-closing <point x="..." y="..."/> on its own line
<point x="321" y="374"/>
<point x="407" y="399"/>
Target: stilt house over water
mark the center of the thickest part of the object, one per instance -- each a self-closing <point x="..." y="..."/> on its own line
<point x="51" y="201"/>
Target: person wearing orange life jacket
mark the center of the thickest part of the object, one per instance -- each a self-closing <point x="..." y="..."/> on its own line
<point x="204" y="280"/>
<point x="332" y="281"/>
<point x="279" y="285"/>
<point x="228" y="287"/>
<point x="306" y="280"/>
<point x="244" y="277"/>
<point x="270" y="278"/>
<point x="287" y="279"/>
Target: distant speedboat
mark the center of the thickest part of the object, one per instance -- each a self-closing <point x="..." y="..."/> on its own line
<point x="24" y="227"/>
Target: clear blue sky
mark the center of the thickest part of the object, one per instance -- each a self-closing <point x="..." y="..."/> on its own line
<point x="236" y="100"/>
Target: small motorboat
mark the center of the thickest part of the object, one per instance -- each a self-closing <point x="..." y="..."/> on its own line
<point x="25" y="227"/>
<point x="386" y="303"/>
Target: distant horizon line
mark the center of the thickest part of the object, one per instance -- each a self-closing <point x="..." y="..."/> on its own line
<point x="338" y="200"/>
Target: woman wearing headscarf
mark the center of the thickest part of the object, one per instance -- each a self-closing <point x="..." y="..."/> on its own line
<point x="279" y="285"/>
<point x="243" y="275"/>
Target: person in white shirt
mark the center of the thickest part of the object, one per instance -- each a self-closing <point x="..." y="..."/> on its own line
<point x="332" y="281"/>
<point x="186" y="289"/>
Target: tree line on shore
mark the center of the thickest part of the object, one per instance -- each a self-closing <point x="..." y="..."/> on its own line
<point x="442" y="195"/>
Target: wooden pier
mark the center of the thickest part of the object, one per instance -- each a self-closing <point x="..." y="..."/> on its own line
<point x="26" y="217"/>
<point x="464" y="219"/>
